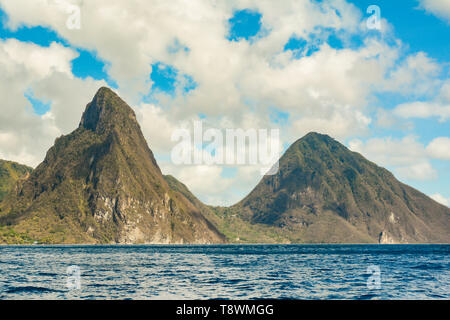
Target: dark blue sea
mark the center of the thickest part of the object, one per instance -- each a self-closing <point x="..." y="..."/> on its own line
<point x="225" y="272"/>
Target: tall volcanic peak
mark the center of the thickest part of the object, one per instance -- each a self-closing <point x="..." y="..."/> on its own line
<point x="106" y="110"/>
<point x="101" y="184"/>
<point x="323" y="192"/>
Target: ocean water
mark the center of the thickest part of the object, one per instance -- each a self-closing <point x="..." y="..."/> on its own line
<point x="225" y="272"/>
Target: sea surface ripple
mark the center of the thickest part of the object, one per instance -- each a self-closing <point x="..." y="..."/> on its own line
<point x="227" y="272"/>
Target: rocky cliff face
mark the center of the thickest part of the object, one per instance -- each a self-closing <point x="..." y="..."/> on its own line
<point x="101" y="184"/>
<point x="323" y="192"/>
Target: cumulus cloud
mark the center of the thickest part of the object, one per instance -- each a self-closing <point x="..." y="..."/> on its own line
<point x="441" y="199"/>
<point x="418" y="171"/>
<point x="438" y="107"/>
<point x="440" y="8"/>
<point x="415" y="76"/>
<point x="206" y="181"/>
<point x="157" y="128"/>
<point x="336" y="123"/>
<point x="389" y="151"/>
<point x="386" y="119"/>
<point x="439" y="148"/>
<point x="423" y="110"/>
<point x="407" y="157"/>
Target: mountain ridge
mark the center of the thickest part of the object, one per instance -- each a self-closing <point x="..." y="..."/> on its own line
<point x="102" y="184"/>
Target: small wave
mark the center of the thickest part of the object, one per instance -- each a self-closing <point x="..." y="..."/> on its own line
<point x="31" y="289"/>
<point x="213" y="281"/>
<point x="310" y="272"/>
<point x="47" y="274"/>
<point x="428" y="266"/>
<point x="233" y="281"/>
<point x="99" y="285"/>
<point x="367" y="296"/>
<point x="437" y="296"/>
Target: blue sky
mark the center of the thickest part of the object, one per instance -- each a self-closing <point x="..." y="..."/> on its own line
<point x="244" y="24"/>
<point x="173" y="85"/>
<point x="420" y="30"/>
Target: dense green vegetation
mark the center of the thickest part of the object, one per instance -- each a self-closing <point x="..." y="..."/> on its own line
<point x="10" y="173"/>
<point x="9" y="236"/>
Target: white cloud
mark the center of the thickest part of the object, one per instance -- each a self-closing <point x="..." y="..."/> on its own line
<point x="386" y="119"/>
<point x="423" y="110"/>
<point x="415" y="76"/>
<point x="406" y="156"/>
<point x="441" y="199"/>
<point x="389" y="151"/>
<point x="40" y="61"/>
<point x="440" y="8"/>
<point x="211" y="186"/>
<point x="337" y="123"/>
<point x="204" y="181"/>
<point x="157" y="127"/>
<point x="438" y="107"/>
<point x="409" y="158"/>
<point x="419" y="171"/>
<point x="439" y="148"/>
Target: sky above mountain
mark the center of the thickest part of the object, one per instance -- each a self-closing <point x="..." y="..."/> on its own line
<point x="296" y="65"/>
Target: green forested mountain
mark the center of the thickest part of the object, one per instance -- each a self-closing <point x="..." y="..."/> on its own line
<point x="323" y="192"/>
<point x="101" y="184"/>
